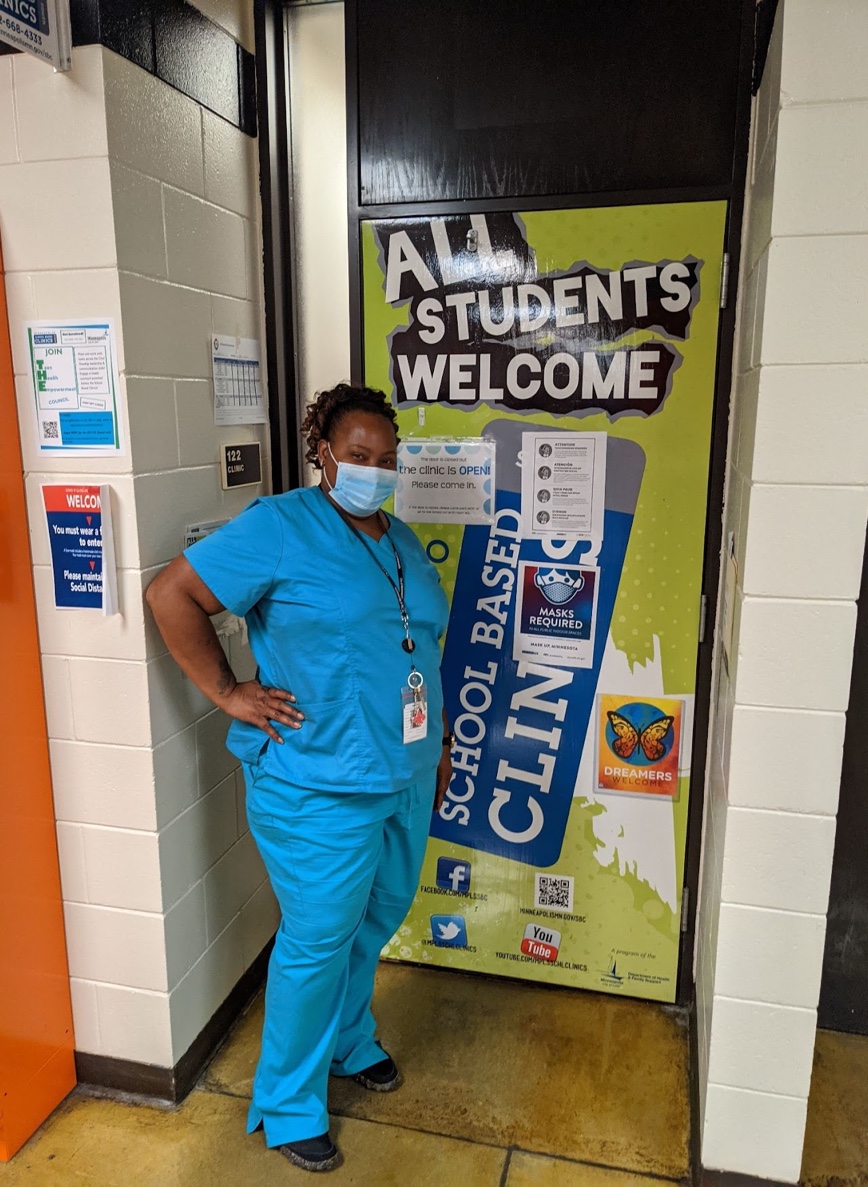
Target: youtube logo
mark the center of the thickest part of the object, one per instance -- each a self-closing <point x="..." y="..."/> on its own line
<point x="541" y="943"/>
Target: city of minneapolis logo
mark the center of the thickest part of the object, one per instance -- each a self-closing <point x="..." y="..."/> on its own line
<point x="558" y="587"/>
<point x="610" y="974"/>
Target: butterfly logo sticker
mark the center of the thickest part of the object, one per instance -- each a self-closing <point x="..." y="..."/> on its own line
<point x="638" y="745"/>
<point x="652" y="739"/>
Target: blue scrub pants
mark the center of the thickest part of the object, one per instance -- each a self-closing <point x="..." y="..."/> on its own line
<point x="344" y="867"/>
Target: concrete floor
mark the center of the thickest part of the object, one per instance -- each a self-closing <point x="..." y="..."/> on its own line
<point x="507" y="1085"/>
<point x="836" y="1137"/>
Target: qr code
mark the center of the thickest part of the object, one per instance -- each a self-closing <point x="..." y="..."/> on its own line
<point x="50" y="430"/>
<point x="555" y="893"/>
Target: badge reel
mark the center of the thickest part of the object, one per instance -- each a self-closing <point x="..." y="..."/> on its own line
<point x="414" y="701"/>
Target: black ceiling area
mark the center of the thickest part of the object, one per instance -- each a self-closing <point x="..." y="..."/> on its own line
<point x="487" y="100"/>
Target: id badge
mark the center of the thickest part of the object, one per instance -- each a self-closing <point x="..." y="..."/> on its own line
<point x="414" y="706"/>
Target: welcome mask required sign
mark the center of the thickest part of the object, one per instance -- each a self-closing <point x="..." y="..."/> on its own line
<point x="81" y="540"/>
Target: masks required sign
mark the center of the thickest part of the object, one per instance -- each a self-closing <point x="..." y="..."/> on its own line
<point x="579" y="347"/>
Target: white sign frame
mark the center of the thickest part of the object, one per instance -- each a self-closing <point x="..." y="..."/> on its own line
<point x="41" y="28"/>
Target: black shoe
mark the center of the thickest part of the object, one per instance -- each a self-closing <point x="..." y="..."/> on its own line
<point x="380" y="1077"/>
<point x="313" y="1154"/>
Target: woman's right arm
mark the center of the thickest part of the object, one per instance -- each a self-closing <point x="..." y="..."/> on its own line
<point x="182" y="605"/>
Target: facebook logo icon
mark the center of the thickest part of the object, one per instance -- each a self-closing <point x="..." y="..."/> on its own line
<point x="453" y="874"/>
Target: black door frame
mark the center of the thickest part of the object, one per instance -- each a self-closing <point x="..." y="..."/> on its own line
<point x="842" y="1004"/>
<point x="276" y="174"/>
<point x="276" y="189"/>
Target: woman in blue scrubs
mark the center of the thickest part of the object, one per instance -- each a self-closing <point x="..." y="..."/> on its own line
<point x="342" y="737"/>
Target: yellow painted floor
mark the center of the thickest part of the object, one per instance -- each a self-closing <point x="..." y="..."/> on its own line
<point x="506" y="1085"/>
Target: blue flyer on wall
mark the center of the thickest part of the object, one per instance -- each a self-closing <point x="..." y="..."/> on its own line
<point x="76" y="388"/>
<point x="82" y="547"/>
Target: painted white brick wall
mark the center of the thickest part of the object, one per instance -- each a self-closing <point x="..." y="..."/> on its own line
<point x="121" y="196"/>
<point x="797" y="502"/>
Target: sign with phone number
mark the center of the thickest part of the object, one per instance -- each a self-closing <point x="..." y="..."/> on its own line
<point x="39" y="27"/>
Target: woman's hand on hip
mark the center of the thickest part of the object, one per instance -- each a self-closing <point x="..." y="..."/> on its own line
<point x="252" y="702"/>
<point x="444" y="776"/>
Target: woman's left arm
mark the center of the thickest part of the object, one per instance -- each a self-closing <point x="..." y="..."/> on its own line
<point x="444" y="767"/>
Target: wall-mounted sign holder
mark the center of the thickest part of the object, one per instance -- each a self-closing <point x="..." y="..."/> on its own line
<point x="40" y="28"/>
<point x="80" y="536"/>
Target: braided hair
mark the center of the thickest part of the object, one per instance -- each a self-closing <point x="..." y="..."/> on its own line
<point x="331" y="407"/>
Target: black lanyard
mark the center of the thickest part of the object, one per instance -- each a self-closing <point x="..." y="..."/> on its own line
<point x="407" y="642"/>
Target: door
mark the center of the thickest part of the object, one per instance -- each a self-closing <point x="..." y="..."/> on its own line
<point x="554" y="374"/>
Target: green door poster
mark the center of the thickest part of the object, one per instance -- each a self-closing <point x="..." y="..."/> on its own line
<point x="553" y="374"/>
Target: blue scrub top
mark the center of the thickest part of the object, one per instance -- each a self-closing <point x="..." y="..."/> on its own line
<point x="324" y="624"/>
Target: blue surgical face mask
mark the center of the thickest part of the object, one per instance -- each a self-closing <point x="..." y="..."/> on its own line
<point x="361" y="490"/>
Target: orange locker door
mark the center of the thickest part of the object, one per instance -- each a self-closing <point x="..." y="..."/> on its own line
<point x="37" y="1064"/>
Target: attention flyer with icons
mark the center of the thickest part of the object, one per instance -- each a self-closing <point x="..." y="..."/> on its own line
<point x="553" y="374"/>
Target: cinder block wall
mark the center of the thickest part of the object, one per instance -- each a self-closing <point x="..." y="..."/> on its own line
<point x="797" y="503"/>
<point x="120" y="196"/>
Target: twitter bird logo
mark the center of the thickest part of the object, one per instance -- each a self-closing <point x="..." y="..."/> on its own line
<point x="449" y="931"/>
